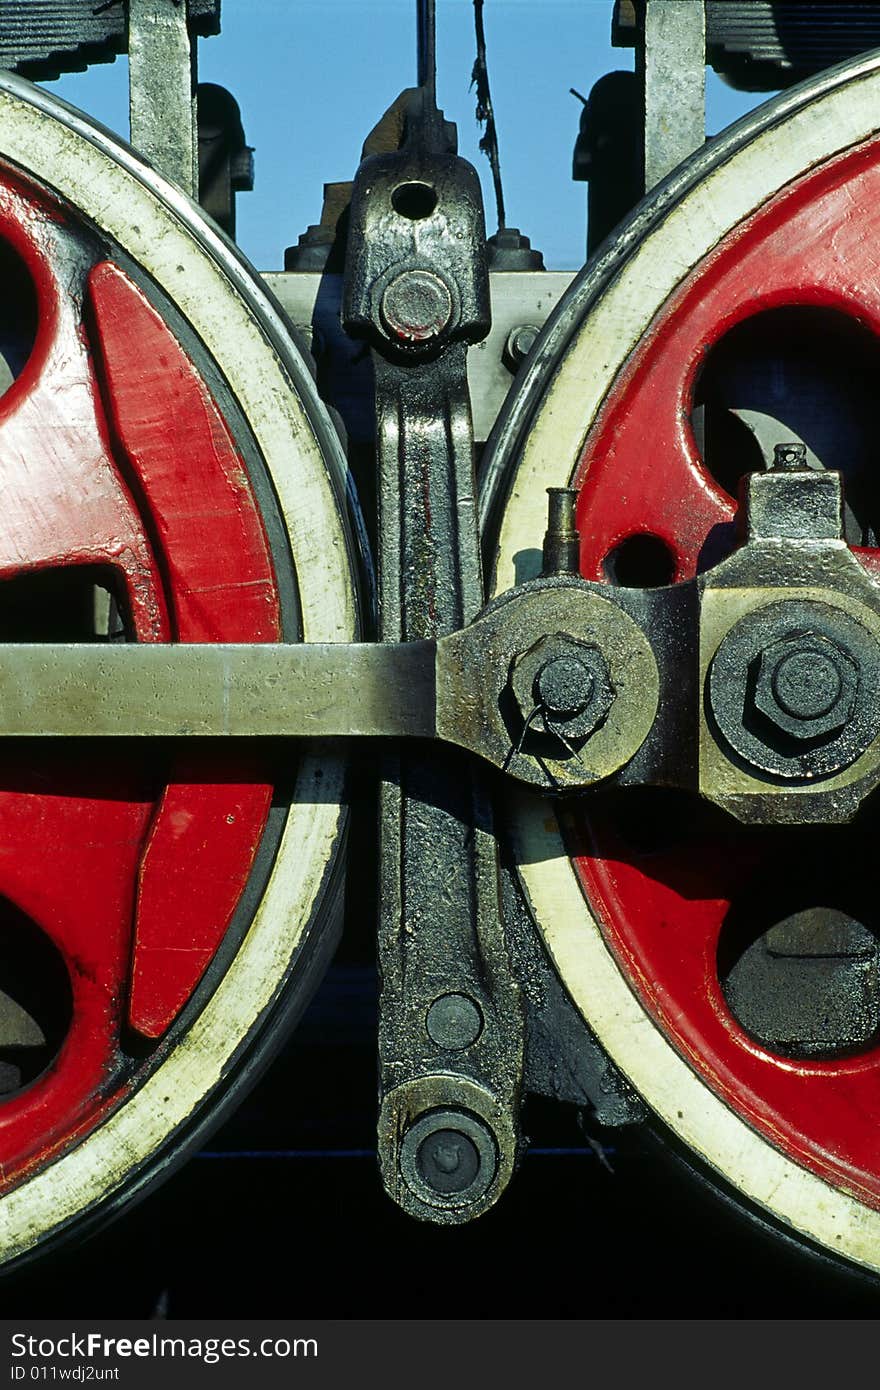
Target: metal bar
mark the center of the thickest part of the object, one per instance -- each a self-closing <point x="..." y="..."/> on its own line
<point x="182" y="690"/>
<point x="430" y="578"/>
<point x="162" y="85"/>
<point x="427" y="49"/>
<point x="673" y="62"/>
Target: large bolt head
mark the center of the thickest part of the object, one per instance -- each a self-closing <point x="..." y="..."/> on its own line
<point x="567" y="681"/>
<point x="806" y="685"/>
<point x="794" y="689"/>
<point x="416" y="307"/>
<point x="448" y="1158"/>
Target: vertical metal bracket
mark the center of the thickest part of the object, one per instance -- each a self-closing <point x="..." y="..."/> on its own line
<point x="451" y="1025"/>
<point x="162" y="88"/>
<point x="672" y="63"/>
<point x="637" y="126"/>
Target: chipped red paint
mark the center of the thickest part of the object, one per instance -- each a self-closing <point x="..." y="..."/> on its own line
<point x="114" y="454"/>
<point x="662" y="911"/>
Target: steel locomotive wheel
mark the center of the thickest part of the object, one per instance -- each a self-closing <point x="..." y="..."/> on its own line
<point x="169" y="475"/>
<point x="731" y="972"/>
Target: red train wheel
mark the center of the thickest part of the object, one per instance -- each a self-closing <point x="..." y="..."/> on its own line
<point x="731" y="973"/>
<point x="169" y="475"/>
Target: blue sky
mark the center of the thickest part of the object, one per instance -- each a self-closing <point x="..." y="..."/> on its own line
<point x="313" y="76"/>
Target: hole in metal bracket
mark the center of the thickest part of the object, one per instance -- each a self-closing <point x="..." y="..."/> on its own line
<point x="415" y="201"/>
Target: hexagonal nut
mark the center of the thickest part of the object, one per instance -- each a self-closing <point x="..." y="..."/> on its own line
<point x="806" y="685"/>
<point x="569" y="683"/>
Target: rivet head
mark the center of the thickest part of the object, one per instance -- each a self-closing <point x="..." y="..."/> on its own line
<point x="454" y="1021"/>
<point x="448" y="1161"/>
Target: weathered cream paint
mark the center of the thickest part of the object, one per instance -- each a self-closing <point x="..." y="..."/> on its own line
<point x="153" y="222"/>
<point x="842" y="118"/>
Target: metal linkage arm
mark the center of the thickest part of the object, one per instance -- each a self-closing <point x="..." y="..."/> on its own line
<point x="195" y="691"/>
<point x="451" y="1030"/>
<point x="470" y="688"/>
<point x="755" y="685"/>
